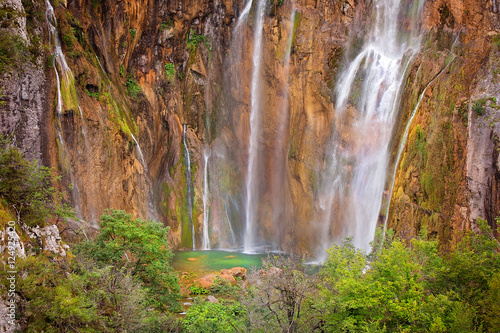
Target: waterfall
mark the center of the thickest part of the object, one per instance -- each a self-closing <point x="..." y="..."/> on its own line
<point x="233" y="236"/>
<point x="253" y="148"/>
<point x="60" y="65"/>
<point x="404" y="138"/>
<point x="206" y="239"/>
<point x="139" y="151"/>
<point x="368" y="91"/>
<point x="280" y="159"/>
<point x="187" y="160"/>
<point x="151" y="212"/>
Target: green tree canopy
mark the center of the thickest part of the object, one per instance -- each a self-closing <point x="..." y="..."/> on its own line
<point x="140" y="247"/>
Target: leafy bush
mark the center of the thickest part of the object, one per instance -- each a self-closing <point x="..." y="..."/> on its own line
<point x="73" y="295"/>
<point x="166" y="24"/>
<point x="225" y="316"/>
<point x="198" y="290"/>
<point x="222" y="286"/>
<point x="412" y="288"/>
<point x="13" y="52"/>
<point x="28" y="188"/>
<point x="141" y="247"/>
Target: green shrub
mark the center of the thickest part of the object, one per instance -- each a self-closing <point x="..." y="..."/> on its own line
<point x="141" y="247"/>
<point x="479" y="106"/>
<point x="133" y="88"/>
<point x="225" y="316"/>
<point x="198" y="290"/>
<point x="13" y="52"/>
<point x="28" y="188"/>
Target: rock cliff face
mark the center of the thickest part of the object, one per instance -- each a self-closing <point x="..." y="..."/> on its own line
<point x="141" y="69"/>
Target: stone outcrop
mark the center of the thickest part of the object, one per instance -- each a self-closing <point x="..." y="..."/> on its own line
<point x="227" y="275"/>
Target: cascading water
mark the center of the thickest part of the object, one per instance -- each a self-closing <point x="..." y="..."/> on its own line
<point x="233" y="236"/>
<point x="368" y="91"/>
<point x="187" y="160"/>
<point x="404" y="138"/>
<point x="60" y="66"/>
<point x="280" y="155"/>
<point x="149" y="204"/>
<point x="251" y="199"/>
<point x="206" y="239"/>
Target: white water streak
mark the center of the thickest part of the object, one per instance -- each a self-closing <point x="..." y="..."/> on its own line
<point x="404" y="139"/>
<point x="189" y="184"/>
<point x="233" y="236"/>
<point x="206" y="239"/>
<point x="255" y="111"/>
<point x="370" y="88"/>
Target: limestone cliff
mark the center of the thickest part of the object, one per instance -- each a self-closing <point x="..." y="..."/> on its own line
<point x="141" y="69"/>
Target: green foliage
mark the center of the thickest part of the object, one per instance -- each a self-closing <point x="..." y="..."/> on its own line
<point x="496" y="40"/>
<point x="122" y="71"/>
<point x="479" y="106"/>
<point x="28" y="188"/>
<point x="73" y="295"/>
<point x="133" y="32"/>
<point x="133" y="88"/>
<point x="170" y="71"/>
<point x="13" y="52"/>
<point x="413" y="288"/>
<point x="69" y="40"/>
<point x="198" y="290"/>
<point x="225" y="316"/>
<point x="195" y="40"/>
<point x="141" y="247"/>
<point x="223" y="287"/>
<point x="93" y="94"/>
<point x="168" y="23"/>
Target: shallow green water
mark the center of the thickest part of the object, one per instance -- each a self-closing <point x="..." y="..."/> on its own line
<point x="204" y="262"/>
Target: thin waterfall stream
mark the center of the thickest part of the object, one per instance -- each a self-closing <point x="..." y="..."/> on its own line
<point x="255" y="115"/>
<point x="187" y="160"/>
<point x="60" y="65"/>
<point x="206" y="239"/>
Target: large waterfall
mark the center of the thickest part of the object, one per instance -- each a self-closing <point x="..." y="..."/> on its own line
<point x="255" y="119"/>
<point x="249" y="204"/>
<point x="367" y="106"/>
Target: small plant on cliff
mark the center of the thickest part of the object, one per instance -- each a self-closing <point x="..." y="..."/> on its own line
<point x="133" y="88"/>
<point x="13" y="52"/>
<point x="168" y="23"/>
<point x="170" y="71"/>
<point x="479" y="106"/>
<point x="132" y="33"/>
<point x="194" y="40"/>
